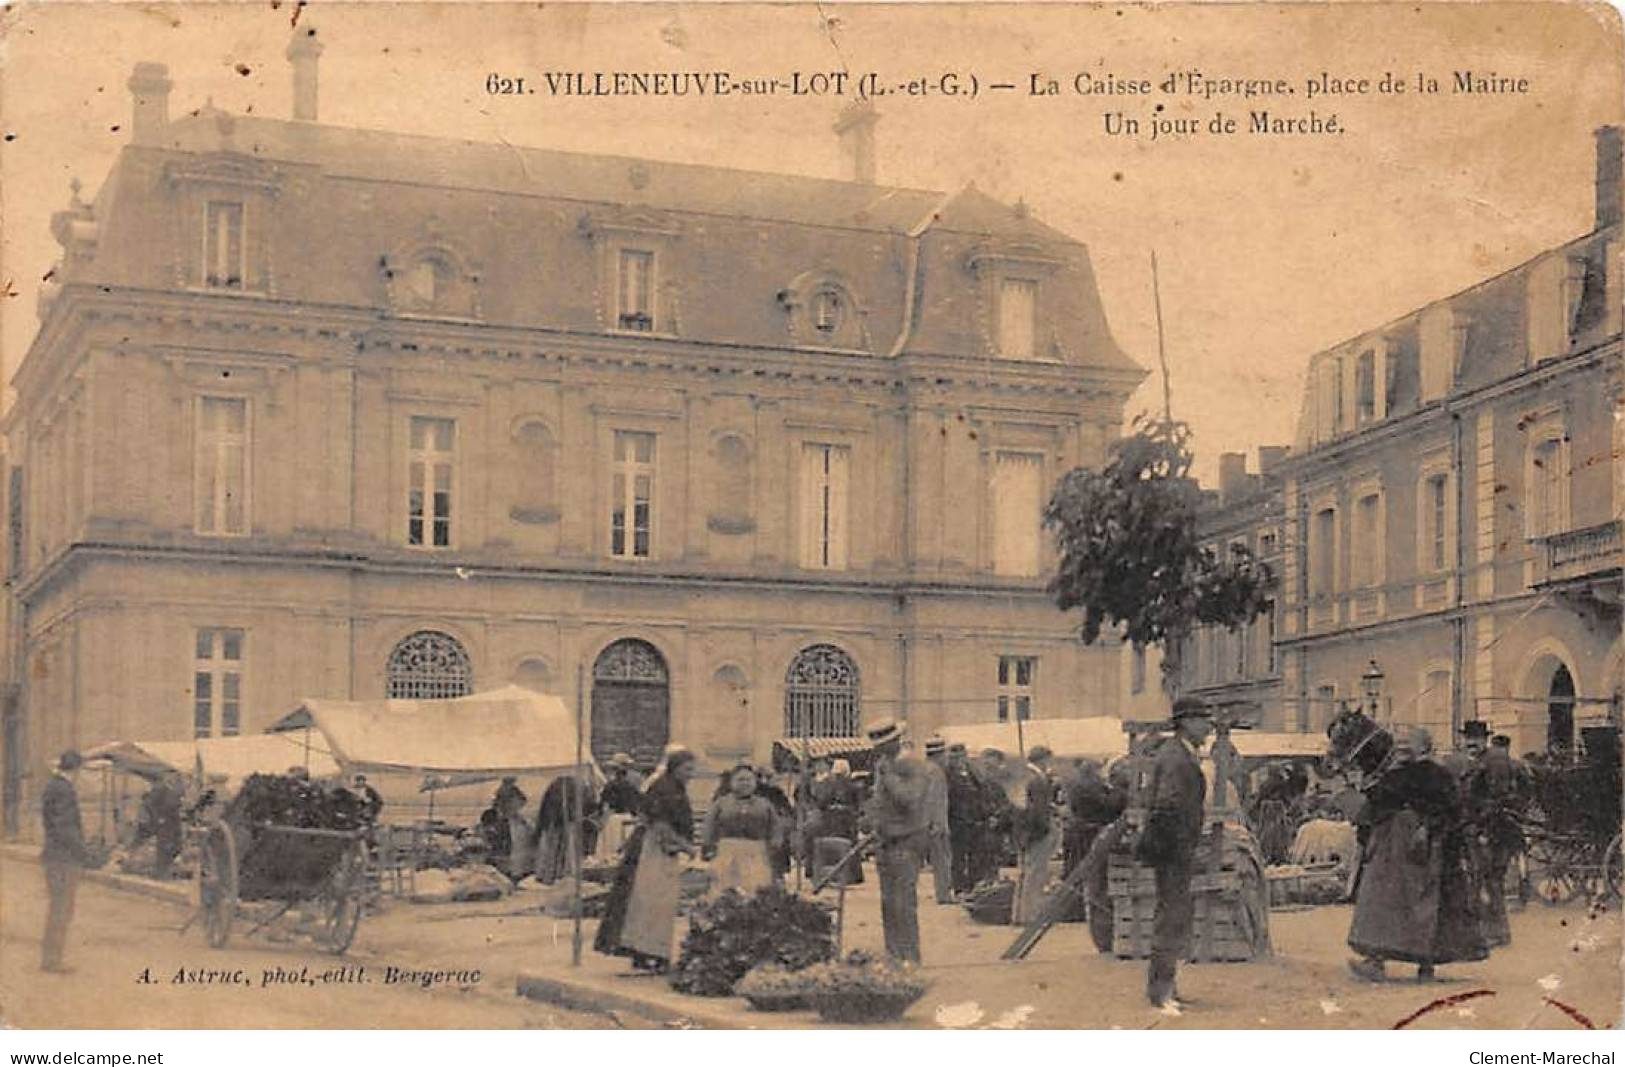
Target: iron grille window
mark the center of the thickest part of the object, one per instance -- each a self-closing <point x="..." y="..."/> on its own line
<point x="821" y="694"/>
<point x="429" y="666"/>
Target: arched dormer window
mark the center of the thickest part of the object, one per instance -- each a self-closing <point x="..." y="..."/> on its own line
<point x="426" y="275"/>
<point x="821" y="312"/>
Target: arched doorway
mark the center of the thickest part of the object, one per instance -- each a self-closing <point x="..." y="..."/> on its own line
<point x="631" y="702"/>
<point x="1560" y="711"/>
<point x="821" y="694"/>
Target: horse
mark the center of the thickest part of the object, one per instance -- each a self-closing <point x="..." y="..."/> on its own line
<point x="1355" y="742"/>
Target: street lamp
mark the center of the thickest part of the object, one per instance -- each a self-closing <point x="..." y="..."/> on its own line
<point x="1371" y="684"/>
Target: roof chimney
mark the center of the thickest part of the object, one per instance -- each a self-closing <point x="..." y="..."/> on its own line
<point x="149" y="87"/>
<point x="856" y="129"/>
<point x="1232" y="475"/>
<point x="303" y="51"/>
<point x="1610" y="199"/>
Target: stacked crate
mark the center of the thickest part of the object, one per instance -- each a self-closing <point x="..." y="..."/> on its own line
<point x="1232" y="905"/>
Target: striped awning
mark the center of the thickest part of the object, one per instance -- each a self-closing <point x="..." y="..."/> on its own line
<point x="821" y="747"/>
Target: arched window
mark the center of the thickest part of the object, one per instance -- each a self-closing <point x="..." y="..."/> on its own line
<point x="631" y="702"/>
<point x="536" y="498"/>
<point x="821" y="694"/>
<point x="429" y="665"/>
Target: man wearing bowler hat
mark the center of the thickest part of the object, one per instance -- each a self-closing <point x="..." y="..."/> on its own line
<point x="64" y="855"/>
<point x="1168" y="844"/>
<point x="898" y="814"/>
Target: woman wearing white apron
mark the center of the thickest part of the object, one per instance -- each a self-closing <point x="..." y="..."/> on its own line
<point x="741" y="831"/>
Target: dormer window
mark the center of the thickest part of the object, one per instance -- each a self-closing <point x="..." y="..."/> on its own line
<point x="635" y="309"/>
<point x="421" y="282"/>
<point x="1365" y="388"/>
<point x="1018" y="318"/>
<point x="826" y="311"/>
<point x="224" y="266"/>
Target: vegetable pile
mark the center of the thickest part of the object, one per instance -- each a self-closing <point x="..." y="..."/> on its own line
<point x="732" y="934"/>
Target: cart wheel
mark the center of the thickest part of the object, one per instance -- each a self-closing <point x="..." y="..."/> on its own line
<point x="1555" y="879"/>
<point x="345" y="893"/>
<point x="1611" y="873"/>
<point x="217" y="883"/>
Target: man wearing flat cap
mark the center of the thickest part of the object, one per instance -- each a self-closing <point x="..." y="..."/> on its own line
<point x="1173" y="828"/>
<point x="899" y="816"/>
<point x="64" y="856"/>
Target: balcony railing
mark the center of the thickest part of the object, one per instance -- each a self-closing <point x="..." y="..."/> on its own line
<point x="1582" y="553"/>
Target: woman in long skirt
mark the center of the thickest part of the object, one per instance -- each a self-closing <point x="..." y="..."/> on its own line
<point x="741" y="832"/>
<point x="640" y="917"/>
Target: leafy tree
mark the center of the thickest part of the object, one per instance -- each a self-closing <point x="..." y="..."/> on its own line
<point x="1130" y="556"/>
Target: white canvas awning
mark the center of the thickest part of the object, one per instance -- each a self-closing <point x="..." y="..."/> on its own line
<point x="1255" y="744"/>
<point x="230" y="758"/>
<point x="1098" y="737"/>
<point x="441" y="756"/>
<point x="504" y="731"/>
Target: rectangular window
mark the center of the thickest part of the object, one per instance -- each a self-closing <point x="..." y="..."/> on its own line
<point x="1435" y="522"/>
<point x="825" y="477"/>
<point x="635" y="308"/>
<point x="223" y="244"/>
<point x="1367" y="541"/>
<point x="1136" y="676"/>
<point x="14" y="522"/>
<point x="1433" y="706"/>
<point x="217" y="682"/>
<point x="220" y="466"/>
<point x="1018" y="318"/>
<point x="429" y="482"/>
<point x="1268" y="651"/>
<point x="1323" y="559"/>
<point x="1365" y="387"/>
<point x="1323" y="708"/>
<point x="1266" y="546"/>
<point x="632" y="495"/>
<point x="1337" y="395"/>
<point x="1017" y="513"/>
<point x="1548" y="503"/>
<point x="1016" y="686"/>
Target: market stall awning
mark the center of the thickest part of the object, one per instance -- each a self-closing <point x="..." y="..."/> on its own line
<point x="504" y="731"/>
<point x="228" y="758"/>
<point x="1255" y="744"/>
<point x="1096" y="737"/>
<point x="820" y="747"/>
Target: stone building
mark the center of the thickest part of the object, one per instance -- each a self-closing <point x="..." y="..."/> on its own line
<point x="327" y="411"/>
<point x="1451" y="507"/>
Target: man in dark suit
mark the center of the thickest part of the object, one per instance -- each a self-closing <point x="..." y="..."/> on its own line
<point x="898" y="815"/>
<point x="64" y="856"/>
<point x="1173" y="828"/>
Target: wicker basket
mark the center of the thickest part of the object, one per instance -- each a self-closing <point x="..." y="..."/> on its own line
<point x="864" y="1007"/>
<point x="776" y="1001"/>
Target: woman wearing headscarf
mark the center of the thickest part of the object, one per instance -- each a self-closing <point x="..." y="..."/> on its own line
<point x="742" y="830"/>
<point x="1415" y="900"/>
<point x="640" y="916"/>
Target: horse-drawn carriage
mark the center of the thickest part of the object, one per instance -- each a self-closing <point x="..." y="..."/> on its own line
<point x="260" y="860"/>
<point x="1572" y="826"/>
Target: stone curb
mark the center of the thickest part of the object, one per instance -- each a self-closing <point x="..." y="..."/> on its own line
<point x="586" y="994"/>
<point x="173" y="893"/>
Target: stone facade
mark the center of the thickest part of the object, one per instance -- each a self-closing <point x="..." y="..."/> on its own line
<point x="301" y="393"/>
<point x="1452" y="507"/>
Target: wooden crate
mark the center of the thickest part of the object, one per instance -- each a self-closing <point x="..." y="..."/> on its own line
<point x="1226" y="928"/>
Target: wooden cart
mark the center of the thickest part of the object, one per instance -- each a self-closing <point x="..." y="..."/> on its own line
<point x="258" y="872"/>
